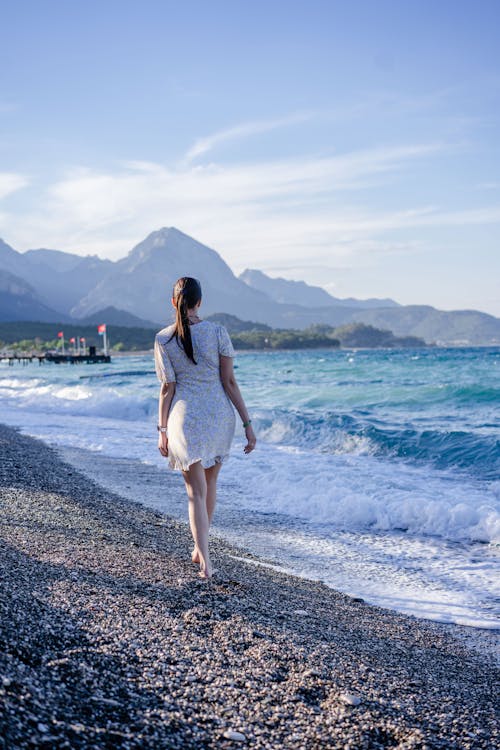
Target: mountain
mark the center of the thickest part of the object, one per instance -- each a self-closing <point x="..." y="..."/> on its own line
<point x="12" y="261"/>
<point x="142" y="282"/>
<point x="454" y="328"/>
<point x="235" y="325"/>
<point x="19" y="301"/>
<point x="285" y="291"/>
<point x="135" y="291"/>
<point x="57" y="260"/>
<point x="60" y="279"/>
<point x="112" y="316"/>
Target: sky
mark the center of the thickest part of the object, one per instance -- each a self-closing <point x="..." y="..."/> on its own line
<point x="351" y="144"/>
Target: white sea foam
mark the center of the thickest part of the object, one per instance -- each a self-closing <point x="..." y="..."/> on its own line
<point x="424" y="576"/>
<point x="341" y="484"/>
<point x="318" y="498"/>
<point x="281" y="432"/>
<point x="353" y="492"/>
<point x="117" y="402"/>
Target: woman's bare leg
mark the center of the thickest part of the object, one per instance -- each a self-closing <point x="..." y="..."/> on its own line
<point x="196" y="488"/>
<point x="211" y="475"/>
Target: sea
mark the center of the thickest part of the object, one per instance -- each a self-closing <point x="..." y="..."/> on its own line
<point x="376" y="471"/>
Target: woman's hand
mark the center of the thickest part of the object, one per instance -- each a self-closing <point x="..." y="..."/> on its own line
<point x="251" y="439"/>
<point x="163" y="444"/>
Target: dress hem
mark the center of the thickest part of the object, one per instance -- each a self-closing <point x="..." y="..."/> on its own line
<point x="207" y="463"/>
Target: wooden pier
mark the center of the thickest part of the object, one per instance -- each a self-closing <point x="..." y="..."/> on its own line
<point x="72" y="359"/>
<point x="75" y="359"/>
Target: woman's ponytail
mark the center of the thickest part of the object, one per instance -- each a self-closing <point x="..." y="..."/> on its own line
<point x="186" y="294"/>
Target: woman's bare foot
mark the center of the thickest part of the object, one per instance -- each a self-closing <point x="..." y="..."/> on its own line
<point x="195" y="557"/>
<point x="206" y="574"/>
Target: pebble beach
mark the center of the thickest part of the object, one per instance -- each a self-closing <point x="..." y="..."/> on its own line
<point x="110" y="640"/>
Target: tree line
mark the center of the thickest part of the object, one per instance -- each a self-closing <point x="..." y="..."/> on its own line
<point x="40" y="337"/>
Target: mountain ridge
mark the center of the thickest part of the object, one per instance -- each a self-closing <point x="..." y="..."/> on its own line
<point x="286" y="291"/>
<point x="139" y="285"/>
<point x="19" y="300"/>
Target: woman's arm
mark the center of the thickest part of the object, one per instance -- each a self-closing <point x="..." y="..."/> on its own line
<point x="232" y="389"/>
<point x="167" y="391"/>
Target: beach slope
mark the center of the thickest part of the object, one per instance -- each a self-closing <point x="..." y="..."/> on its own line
<point x="109" y="639"/>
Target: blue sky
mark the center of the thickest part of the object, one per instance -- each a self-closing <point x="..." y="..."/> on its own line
<point x="350" y="144"/>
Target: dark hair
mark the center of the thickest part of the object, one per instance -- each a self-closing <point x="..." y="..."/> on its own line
<point x="186" y="294"/>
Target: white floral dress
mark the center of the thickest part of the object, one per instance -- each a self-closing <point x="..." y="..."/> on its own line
<point x="201" y="419"/>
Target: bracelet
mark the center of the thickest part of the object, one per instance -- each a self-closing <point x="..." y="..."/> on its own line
<point x="161" y="429"/>
<point x="245" y="424"/>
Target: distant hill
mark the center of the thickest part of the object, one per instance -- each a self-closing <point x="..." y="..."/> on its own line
<point x="135" y="292"/>
<point x="235" y="325"/>
<point x="60" y="279"/>
<point x="57" y="260"/>
<point x="361" y="336"/>
<point x="112" y="316"/>
<point x="455" y="328"/>
<point x="19" y="301"/>
<point x="289" y="292"/>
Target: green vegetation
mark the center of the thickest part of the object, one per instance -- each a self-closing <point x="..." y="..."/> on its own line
<point x="354" y="335"/>
<point x="282" y="339"/>
<point x="40" y="337"/>
<point x="361" y="336"/>
<point x="235" y="325"/>
<point x="35" y="336"/>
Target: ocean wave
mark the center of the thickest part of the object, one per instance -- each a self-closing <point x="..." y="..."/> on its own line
<point x="342" y="433"/>
<point x="469" y="394"/>
<point x="79" y="399"/>
<point x="355" y="493"/>
<point x="358" y="432"/>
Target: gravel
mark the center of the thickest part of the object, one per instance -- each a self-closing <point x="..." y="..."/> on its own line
<point x="108" y="639"/>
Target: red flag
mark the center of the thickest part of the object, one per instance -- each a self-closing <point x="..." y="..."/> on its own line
<point x="72" y="340"/>
<point x="101" y="328"/>
<point x="60" y="335"/>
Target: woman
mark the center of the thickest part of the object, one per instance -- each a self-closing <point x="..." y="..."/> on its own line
<point x="194" y="363"/>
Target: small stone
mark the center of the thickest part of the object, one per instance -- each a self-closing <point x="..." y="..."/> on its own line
<point x="230" y="734"/>
<point x="311" y="673"/>
<point x="77" y="727"/>
<point x="43" y="728"/>
<point x="105" y="701"/>
<point x="350" y="699"/>
<point x="302" y="612"/>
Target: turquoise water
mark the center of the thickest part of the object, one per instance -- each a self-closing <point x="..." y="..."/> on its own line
<point x="376" y="471"/>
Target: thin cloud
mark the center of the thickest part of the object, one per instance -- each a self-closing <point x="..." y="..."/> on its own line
<point x="208" y="143"/>
<point x="10" y="182"/>
<point x="289" y="210"/>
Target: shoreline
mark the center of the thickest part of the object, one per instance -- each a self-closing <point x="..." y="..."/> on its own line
<point x="253" y="532"/>
<point x="109" y="638"/>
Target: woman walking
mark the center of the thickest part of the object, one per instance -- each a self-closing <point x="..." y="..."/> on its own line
<point x="194" y="363"/>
